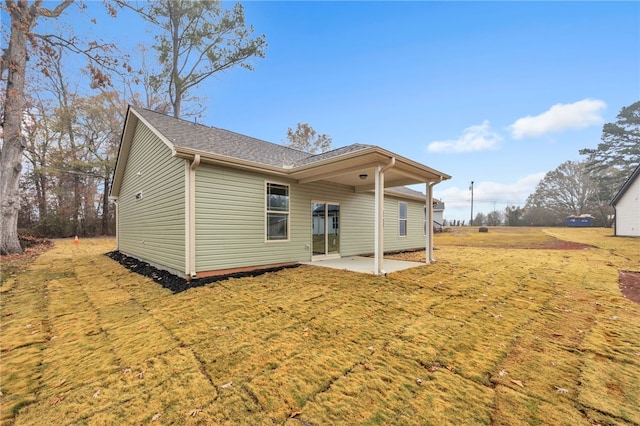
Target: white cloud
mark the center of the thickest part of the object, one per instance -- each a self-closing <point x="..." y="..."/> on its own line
<point x="560" y="117"/>
<point x="474" y="138"/>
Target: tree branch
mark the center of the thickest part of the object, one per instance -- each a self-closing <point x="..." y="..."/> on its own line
<point x="49" y="13"/>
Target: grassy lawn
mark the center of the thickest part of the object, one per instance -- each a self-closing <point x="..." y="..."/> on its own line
<point x="493" y="333"/>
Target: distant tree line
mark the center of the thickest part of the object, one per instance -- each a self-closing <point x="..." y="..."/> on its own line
<point x="70" y="156"/>
<point x="580" y="188"/>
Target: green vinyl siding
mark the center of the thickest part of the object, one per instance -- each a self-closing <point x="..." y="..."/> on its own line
<point x="152" y="228"/>
<point x="415" y="237"/>
<point x="230" y="220"/>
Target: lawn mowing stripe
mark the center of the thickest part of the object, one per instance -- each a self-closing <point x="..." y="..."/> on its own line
<point x="292" y="335"/>
<point x="540" y="352"/>
<point x="517" y="408"/>
<point x="140" y="322"/>
<point x="600" y="375"/>
<point x="24" y="334"/>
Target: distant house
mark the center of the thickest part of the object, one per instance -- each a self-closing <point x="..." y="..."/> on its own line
<point x="438" y="214"/>
<point x="626" y="204"/>
<point x="198" y="200"/>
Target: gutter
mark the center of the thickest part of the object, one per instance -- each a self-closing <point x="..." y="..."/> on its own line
<point x="190" y="154"/>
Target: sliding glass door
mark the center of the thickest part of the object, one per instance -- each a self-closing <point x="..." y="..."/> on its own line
<point x="325" y="223"/>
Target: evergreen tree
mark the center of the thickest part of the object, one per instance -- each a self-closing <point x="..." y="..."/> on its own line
<point x="618" y="153"/>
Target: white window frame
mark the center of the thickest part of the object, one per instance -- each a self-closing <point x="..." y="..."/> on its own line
<point x="282" y="212"/>
<point x="400" y="219"/>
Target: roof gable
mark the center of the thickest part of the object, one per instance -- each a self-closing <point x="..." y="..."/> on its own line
<point x="627" y="184"/>
<point x="198" y="137"/>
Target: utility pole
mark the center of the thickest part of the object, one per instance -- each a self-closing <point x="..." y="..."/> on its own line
<point x="471" y="188"/>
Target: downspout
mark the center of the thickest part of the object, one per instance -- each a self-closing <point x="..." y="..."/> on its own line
<point x="115" y="202"/>
<point x="379" y="216"/>
<point x="190" y="217"/>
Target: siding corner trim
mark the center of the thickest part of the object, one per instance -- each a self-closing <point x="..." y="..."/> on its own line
<point x="190" y="215"/>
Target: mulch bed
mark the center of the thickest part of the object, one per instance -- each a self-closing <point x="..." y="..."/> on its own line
<point x="629" y="283"/>
<point x="563" y="245"/>
<point x="178" y="284"/>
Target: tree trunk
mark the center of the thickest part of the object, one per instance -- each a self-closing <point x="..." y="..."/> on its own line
<point x="105" y="204"/>
<point x="41" y="179"/>
<point x="23" y="18"/>
<point x="14" y="144"/>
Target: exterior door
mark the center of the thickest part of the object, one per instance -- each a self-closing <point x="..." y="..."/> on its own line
<point x="325" y="233"/>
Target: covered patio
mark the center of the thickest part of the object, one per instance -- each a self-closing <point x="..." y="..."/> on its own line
<point x="372" y="169"/>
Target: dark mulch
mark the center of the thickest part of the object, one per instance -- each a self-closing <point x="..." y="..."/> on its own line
<point x="629" y="283"/>
<point x="178" y="284"/>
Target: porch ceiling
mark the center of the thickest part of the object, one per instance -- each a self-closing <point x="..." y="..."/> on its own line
<point x="359" y="171"/>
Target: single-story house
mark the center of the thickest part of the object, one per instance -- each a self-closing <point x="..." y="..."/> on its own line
<point x="438" y="214"/>
<point x="626" y="204"/>
<point x="197" y="200"/>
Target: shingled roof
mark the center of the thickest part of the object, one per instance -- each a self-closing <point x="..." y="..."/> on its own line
<point x="213" y="140"/>
<point x="349" y="165"/>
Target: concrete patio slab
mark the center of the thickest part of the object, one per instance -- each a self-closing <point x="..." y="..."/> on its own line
<point x="363" y="264"/>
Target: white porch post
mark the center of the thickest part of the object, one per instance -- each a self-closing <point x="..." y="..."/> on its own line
<point x="379" y="216"/>
<point x="429" y="254"/>
<point x="378" y="221"/>
<point x="428" y="223"/>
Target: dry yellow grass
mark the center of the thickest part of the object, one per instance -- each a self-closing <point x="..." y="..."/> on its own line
<point x="493" y="333"/>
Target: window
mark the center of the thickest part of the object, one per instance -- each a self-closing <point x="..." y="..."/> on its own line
<point x="277" y="212"/>
<point x="402" y="215"/>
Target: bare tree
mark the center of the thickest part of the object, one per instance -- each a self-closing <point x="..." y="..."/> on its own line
<point x="305" y="138"/>
<point x="480" y="219"/>
<point x="567" y="190"/>
<point x="101" y="118"/>
<point x="197" y="40"/>
<point x="39" y="140"/>
<point x="495" y="218"/>
<point x="23" y="44"/>
<point x="513" y="215"/>
<point x="23" y="18"/>
<point x="143" y="89"/>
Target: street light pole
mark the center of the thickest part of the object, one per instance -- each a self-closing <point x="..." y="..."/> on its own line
<point x="471" y="221"/>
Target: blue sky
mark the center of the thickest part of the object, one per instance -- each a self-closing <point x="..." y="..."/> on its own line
<point x="495" y="92"/>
